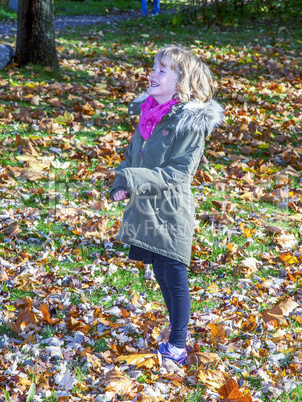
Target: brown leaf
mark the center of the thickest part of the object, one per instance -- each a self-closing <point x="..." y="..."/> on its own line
<point x="277" y="313"/>
<point x="35" y="100"/>
<point x="102" y="205"/>
<point x="75" y="324"/>
<point x="250" y="324"/>
<point x="12" y="230"/>
<point x="246" y="150"/>
<point x="12" y="326"/>
<point x="117" y="382"/>
<point x="32" y="176"/>
<point x="203" y="176"/>
<point x="23" y="303"/>
<point x="26" y="315"/>
<point x="274" y="229"/>
<point x="225" y="205"/>
<point x="147" y="398"/>
<point x="197" y="358"/>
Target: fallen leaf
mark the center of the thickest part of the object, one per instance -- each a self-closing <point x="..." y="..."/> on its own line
<point x="213" y="288"/>
<point x="197" y="358"/>
<point x="147" y="360"/>
<point x="117" y="382"/>
<point x="217" y="333"/>
<point x="278" y="313"/>
<point x="230" y="393"/>
<point x="213" y="378"/>
<point x="286" y="241"/>
<point x="246" y="267"/>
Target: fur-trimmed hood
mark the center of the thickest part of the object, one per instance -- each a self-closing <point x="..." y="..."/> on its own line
<point x="192" y="115"/>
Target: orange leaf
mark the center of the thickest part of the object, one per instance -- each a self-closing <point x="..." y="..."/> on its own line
<point x="297" y="318"/>
<point x="217" y="332"/>
<point x="45" y="312"/>
<point x="230" y="393"/>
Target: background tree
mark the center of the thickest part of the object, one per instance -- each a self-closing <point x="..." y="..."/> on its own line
<point x="36" y="34"/>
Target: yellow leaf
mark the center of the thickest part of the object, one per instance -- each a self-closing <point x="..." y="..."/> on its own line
<point x="25" y="381"/>
<point x="289" y="258"/>
<point x="10" y="308"/>
<point x="101" y="91"/>
<point x="246" y="232"/>
<point x="213" y="288"/>
<point x="147" y="360"/>
<point x="2" y="110"/>
<point x="67" y="118"/>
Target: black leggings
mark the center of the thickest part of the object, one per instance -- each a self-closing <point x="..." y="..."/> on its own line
<point x="172" y="278"/>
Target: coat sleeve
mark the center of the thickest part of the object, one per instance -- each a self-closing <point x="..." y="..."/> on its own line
<point x="120" y="182"/>
<point x="180" y="167"/>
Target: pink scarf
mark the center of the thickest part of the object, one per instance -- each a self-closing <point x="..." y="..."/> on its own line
<point x="152" y="113"/>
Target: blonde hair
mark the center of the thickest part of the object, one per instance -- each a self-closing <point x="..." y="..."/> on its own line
<point x="195" y="80"/>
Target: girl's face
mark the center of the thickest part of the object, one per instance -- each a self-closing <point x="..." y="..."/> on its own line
<point x="162" y="82"/>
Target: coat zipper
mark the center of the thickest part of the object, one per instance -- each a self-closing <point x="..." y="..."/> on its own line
<point x="142" y="151"/>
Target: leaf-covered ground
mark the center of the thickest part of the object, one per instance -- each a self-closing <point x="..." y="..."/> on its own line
<point x="78" y="320"/>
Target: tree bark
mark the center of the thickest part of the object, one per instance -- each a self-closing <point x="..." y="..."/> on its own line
<point x="36" y="33"/>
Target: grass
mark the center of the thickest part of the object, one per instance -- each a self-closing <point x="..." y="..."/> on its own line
<point x="89" y="7"/>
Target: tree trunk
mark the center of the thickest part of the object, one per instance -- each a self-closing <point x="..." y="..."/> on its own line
<point x="36" y="34"/>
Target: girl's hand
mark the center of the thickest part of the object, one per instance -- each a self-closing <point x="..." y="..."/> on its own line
<point x="120" y="195"/>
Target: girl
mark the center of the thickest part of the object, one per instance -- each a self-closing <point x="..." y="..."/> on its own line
<point x="177" y="114"/>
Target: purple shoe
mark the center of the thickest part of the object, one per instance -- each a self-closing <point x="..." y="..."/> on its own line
<point x="163" y="349"/>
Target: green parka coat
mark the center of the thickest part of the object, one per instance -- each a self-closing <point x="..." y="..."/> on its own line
<point x="157" y="174"/>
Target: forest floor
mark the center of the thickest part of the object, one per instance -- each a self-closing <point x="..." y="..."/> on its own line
<point x="78" y="320"/>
